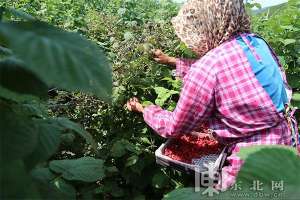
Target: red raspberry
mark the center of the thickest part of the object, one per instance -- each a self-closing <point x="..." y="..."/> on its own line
<point x="188" y="146"/>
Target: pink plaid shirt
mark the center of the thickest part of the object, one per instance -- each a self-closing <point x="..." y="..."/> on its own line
<point x="221" y="89"/>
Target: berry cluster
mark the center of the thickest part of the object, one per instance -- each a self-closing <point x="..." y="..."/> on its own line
<point x="191" y="146"/>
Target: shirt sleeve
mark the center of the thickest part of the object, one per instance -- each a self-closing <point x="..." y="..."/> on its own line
<point x="183" y="66"/>
<point x="195" y="104"/>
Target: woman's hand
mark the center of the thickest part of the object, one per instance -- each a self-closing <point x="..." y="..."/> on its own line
<point x="134" y="105"/>
<point x="162" y="58"/>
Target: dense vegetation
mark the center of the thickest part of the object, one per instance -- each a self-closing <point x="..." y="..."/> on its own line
<point x="119" y="162"/>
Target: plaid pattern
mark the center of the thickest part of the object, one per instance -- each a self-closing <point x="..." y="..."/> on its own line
<point x="183" y="66"/>
<point x="220" y="89"/>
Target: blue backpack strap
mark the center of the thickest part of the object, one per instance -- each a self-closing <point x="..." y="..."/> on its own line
<point x="265" y="69"/>
<point x="255" y="59"/>
<point x="289" y="111"/>
<point x="288" y="88"/>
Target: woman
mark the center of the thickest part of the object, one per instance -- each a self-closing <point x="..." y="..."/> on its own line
<point x="237" y="86"/>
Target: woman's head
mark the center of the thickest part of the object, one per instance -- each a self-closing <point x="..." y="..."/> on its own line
<point x="205" y="24"/>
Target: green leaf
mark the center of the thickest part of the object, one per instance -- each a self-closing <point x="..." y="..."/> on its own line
<point x="67" y="190"/>
<point x="2" y="9"/>
<point x="293" y="80"/>
<point x="296" y="99"/>
<point x="140" y="165"/>
<point x="5" y="51"/>
<point x="172" y="106"/>
<point x="146" y="140"/>
<point x="160" y="180"/>
<point x="282" y="60"/>
<point x="14" y="96"/>
<point x="111" y="187"/>
<point x="131" y="160"/>
<point x="68" y="138"/>
<point x="290" y="28"/>
<point x="19" y="13"/>
<point x="15" y="77"/>
<point x="43" y="175"/>
<point x="18" y="132"/>
<point x="59" y="58"/>
<point x="85" y="169"/>
<point x="112" y="169"/>
<point x="147" y="103"/>
<point x="51" y="186"/>
<point x="163" y="95"/>
<point x="176" y="84"/>
<point x="247" y="151"/>
<point x="118" y="149"/>
<point x="67" y="124"/>
<point x="35" y="108"/>
<point x="99" y="190"/>
<point x="15" y="182"/>
<point x="288" y="41"/>
<point x="183" y="194"/>
<point x="262" y="164"/>
<point x="121" y="147"/>
<point x="48" y="142"/>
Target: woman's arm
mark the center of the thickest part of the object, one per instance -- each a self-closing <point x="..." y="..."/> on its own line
<point x="182" y="65"/>
<point x="195" y="104"/>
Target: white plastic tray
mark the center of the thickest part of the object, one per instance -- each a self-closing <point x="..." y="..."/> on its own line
<point x="188" y="168"/>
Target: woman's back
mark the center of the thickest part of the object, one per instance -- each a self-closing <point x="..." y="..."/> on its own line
<point x="248" y="98"/>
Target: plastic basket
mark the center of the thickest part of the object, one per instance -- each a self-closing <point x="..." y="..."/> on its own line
<point x="166" y="161"/>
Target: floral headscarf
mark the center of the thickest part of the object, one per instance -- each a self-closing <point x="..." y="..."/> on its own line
<point x="205" y="24"/>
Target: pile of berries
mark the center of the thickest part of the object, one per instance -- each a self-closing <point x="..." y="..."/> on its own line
<point x="192" y="146"/>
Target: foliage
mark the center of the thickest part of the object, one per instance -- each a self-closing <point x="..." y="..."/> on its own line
<point x="44" y="55"/>
<point x="127" y="149"/>
<point x="65" y="53"/>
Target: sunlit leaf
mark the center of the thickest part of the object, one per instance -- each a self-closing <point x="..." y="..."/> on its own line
<point x="59" y="58"/>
